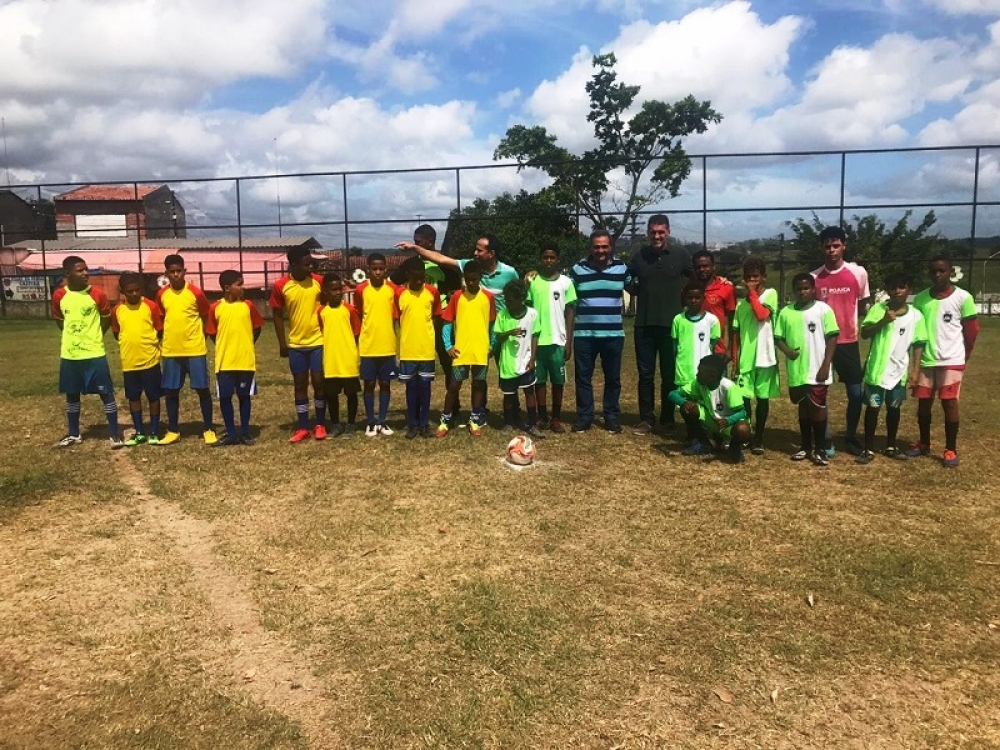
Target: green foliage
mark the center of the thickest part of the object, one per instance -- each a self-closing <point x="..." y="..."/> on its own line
<point x="523" y="222"/>
<point x="881" y="249"/>
<point x="611" y="183"/>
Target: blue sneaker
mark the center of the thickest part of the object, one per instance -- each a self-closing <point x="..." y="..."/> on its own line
<point x="697" y="448"/>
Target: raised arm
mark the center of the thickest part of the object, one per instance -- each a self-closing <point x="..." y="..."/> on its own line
<point x="432" y="255"/>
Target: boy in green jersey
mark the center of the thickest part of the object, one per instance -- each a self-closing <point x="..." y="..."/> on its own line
<point x="806" y="333"/>
<point x="515" y="347"/>
<point x="554" y="296"/>
<point x="694" y="333"/>
<point x="712" y="407"/>
<point x="756" y="363"/>
<point x="895" y="329"/>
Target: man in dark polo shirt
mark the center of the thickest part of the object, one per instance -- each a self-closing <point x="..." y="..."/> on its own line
<point x="658" y="276"/>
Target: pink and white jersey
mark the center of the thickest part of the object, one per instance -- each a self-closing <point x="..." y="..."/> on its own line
<point x="842" y="290"/>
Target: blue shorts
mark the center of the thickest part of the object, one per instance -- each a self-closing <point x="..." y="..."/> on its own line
<point x="510" y="386"/>
<point x="235" y="382"/>
<point x="176" y="368"/>
<point x="467" y="372"/>
<point x="411" y="368"/>
<point x="77" y="376"/>
<point x="145" y="381"/>
<point x="378" y="368"/>
<point x="305" y="360"/>
<point x="876" y="396"/>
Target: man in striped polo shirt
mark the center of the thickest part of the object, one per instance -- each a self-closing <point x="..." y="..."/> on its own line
<point x="599" y="281"/>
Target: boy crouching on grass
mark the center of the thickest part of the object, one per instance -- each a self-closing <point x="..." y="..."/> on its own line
<point x="806" y="333"/>
<point x="515" y="347"/>
<point x="83" y="314"/>
<point x="341" y="327"/>
<point x="137" y="324"/>
<point x="895" y="329"/>
<point x="712" y="408"/>
<point x="234" y="325"/>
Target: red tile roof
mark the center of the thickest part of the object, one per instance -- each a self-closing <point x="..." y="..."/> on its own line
<point x="108" y="193"/>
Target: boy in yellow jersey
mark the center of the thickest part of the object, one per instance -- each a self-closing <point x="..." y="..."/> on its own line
<point x="418" y="306"/>
<point x="137" y="324"/>
<point x="185" y="353"/>
<point x="83" y="314"/>
<point x="298" y="293"/>
<point x="341" y="326"/>
<point x="375" y="300"/>
<point x="468" y="336"/>
<point x="234" y="325"/>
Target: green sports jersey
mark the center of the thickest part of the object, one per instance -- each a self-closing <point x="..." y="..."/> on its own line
<point x="81" y="313"/>
<point x="724" y="401"/>
<point x="756" y="336"/>
<point x="550" y="297"/>
<point x="515" y="351"/>
<point x="693" y="340"/>
<point x="943" y="318"/>
<point x="889" y="355"/>
<point x="806" y="330"/>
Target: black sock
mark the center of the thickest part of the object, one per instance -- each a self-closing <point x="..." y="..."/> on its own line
<point x="819" y="435"/>
<point x="763" y="408"/>
<point x="805" y="433"/>
<point x="871" y="424"/>
<point x="924" y="422"/>
<point x="950" y="436"/>
<point x="891" y="426"/>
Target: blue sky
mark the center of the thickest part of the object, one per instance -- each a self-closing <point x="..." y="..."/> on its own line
<point x="149" y="91"/>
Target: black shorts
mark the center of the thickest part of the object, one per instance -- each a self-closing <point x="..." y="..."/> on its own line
<point x="333" y="386"/>
<point x="847" y="364"/>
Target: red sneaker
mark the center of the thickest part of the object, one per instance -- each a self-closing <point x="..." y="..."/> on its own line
<point x="299" y="435"/>
<point x="320" y="432"/>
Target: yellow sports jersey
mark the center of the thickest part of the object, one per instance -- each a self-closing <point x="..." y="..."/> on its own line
<point x="138" y="329"/>
<point x="375" y="307"/>
<point x="81" y="312"/>
<point x="471" y="315"/>
<point x="416" y="312"/>
<point x="301" y="300"/>
<point x="341" y="326"/>
<point x="184" y="315"/>
<point x="233" y="324"/>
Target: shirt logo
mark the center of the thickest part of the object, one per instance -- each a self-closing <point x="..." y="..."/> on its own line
<point x="555" y="296"/>
<point x="902" y="331"/>
<point x="701" y="335"/>
<point x="947" y="317"/>
<point x="812" y="328"/>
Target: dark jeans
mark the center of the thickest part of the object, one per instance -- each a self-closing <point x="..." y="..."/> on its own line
<point x="652" y="342"/>
<point x="586" y="350"/>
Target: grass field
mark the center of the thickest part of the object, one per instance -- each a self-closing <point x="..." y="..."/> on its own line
<point x="409" y="594"/>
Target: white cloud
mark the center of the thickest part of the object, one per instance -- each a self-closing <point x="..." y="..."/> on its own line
<point x="966" y="7"/>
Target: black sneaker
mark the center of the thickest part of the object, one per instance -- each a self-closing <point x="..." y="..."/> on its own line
<point x="895" y="453"/>
<point x="643" y="428"/>
<point x="581" y="427"/>
<point x="818" y="457"/>
<point x="412" y="431"/>
<point x="612" y="425"/>
<point x="426" y="431"/>
<point x="248" y="440"/>
<point x="227" y="441"/>
<point x="535" y="432"/>
<point x="866" y="457"/>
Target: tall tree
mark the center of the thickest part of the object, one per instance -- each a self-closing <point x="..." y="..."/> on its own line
<point x="614" y="181"/>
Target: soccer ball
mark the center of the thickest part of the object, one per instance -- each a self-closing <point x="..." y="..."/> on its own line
<point x="521" y="451"/>
<point x="359" y="275"/>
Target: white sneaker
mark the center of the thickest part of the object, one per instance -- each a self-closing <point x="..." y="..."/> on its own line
<point x="116" y="443"/>
<point x="371" y="430"/>
<point x="384" y="430"/>
<point x="69" y="440"/>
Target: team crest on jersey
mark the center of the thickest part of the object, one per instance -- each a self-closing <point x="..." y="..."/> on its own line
<point x="701" y="335"/>
<point x="555" y="296"/>
<point x="812" y="328"/>
<point x="902" y="331"/>
<point x="947" y="317"/>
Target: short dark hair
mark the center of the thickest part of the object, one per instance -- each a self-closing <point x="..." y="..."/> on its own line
<point x="515" y="288"/>
<point x="71" y="260"/>
<point x="427" y="231"/>
<point x="714" y="361"/>
<point x="599" y="233"/>
<point x="331" y="276"/>
<point x="693" y="285"/>
<point x="755" y="263"/>
<point x="375" y="257"/>
<point x="658" y="219"/>
<point x="493" y="243"/>
<point x="128" y="279"/>
<point x="228" y="277"/>
<point x="833" y="233"/>
<point x="807" y="277"/>
<point x="935" y="259"/>
<point x="703" y="253"/>
<point x="411" y="264"/>
<point x="472" y="266"/>
<point x="896" y="279"/>
<point x="173" y="260"/>
<point x="550" y="246"/>
<point x="296" y="254"/>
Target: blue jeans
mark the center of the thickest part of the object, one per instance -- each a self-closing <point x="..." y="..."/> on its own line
<point x="586" y="350"/>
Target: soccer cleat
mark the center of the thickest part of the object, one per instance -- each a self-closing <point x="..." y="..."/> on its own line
<point x="169" y="439"/>
<point x="335" y="431"/>
<point x="383" y="429"/>
<point x="800" y="455"/>
<point x="226" y="441"/>
<point x="475" y="429"/>
<point x="349" y="430"/>
<point x="210" y="437"/>
<point x="949" y="459"/>
<point x="412" y="431"/>
<point x="757" y="447"/>
<point x="426" y="431"/>
<point x="116" y="443"/>
<point x="557" y="427"/>
<point x="535" y="432"/>
<point x="68" y="441"/>
<point x="320" y="432"/>
<point x="697" y="448"/>
<point x="735" y="456"/>
<point x="153" y="440"/>
<point x="830" y="451"/>
<point x="507" y="427"/>
<point x="137" y="439"/>
<point x="895" y="453"/>
<point x="854" y="447"/>
<point x="918" y="449"/>
<point x="819" y="458"/>
<point x="248" y="440"/>
<point x="371" y="430"/>
<point x="643" y="428"/>
<point x="544" y="423"/>
<point x="299" y="435"/>
<point x="442" y="430"/>
<point x="866" y="457"/>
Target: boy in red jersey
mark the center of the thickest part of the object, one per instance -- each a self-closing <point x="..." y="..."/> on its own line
<point x="234" y="325"/>
<point x="137" y="324"/>
<point x="83" y="314"/>
<point x="720" y="298"/>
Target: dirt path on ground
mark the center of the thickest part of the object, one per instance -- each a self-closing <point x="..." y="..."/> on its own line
<point x="256" y="661"/>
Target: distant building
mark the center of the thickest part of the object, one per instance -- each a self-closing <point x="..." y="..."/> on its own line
<point x="97" y="211"/>
<point x="21" y="220"/>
